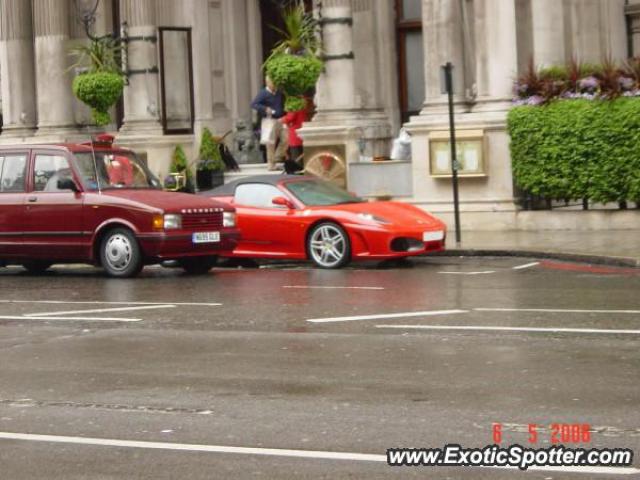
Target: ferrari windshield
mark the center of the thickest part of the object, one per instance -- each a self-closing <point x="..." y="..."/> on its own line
<point x="315" y="193"/>
<point x="114" y="169"/>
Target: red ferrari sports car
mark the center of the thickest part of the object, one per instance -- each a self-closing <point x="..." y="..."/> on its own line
<point x="303" y="217"/>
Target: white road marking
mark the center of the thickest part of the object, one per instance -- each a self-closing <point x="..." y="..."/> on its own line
<point x="330" y="288"/>
<point x="84" y="319"/>
<point x="90" y="302"/>
<point x="554" y="310"/>
<point x="526" y="265"/>
<point x="272" y="452"/>
<point x="386" y="315"/>
<point x="277" y="452"/>
<point x="510" y="329"/>
<point x="98" y="310"/>
<point x="469" y="273"/>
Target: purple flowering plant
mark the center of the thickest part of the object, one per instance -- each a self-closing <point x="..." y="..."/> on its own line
<point x="575" y="80"/>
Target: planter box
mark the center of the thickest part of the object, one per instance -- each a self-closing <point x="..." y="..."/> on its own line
<point x="207" y="179"/>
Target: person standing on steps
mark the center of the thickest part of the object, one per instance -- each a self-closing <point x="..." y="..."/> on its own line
<point x="269" y="103"/>
<point x="294" y="121"/>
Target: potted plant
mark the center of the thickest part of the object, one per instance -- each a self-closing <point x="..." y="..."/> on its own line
<point x="210" y="170"/>
<point x="294" y="64"/>
<point x="101" y="82"/>
<point x="180" y="178"/>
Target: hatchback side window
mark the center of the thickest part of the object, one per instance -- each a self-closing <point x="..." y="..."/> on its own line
<point x="12" y="173"/>
<point x="48" y="169"/>
<point x="257" y="195"/>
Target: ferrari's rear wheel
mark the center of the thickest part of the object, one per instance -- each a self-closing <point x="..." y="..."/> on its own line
<point x="328" y="246"/>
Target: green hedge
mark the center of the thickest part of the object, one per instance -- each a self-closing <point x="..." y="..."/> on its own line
<point x="575" y="149"/>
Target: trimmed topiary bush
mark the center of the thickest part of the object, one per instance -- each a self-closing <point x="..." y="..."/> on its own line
<point x="98" y="90"/>
<point x="295" y="75"/>
<point x="574" y="149"/>
<point x="209" y="155"/>
<point x="101" y="85"/>
<point x="294" y="104"/>
<point x="180" y="165"/>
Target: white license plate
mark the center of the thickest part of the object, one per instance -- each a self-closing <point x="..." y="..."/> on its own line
<point x="432" y="236"/>
<point x="206" y="237"/>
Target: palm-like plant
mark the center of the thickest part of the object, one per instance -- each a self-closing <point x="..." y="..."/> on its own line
<point x="101" y="84"/>
<point x="100" y="55"/>
<point x="299" y="35"/>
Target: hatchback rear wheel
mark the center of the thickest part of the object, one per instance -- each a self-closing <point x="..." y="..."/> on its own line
<point x="120" y="253"/>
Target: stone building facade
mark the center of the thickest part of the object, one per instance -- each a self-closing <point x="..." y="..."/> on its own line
<point x="382" y="72"/>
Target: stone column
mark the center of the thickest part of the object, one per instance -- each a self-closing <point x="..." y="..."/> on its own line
<point x="548" y="33"/>
<point x="596" y="29"/>
<point x="341" y="117"/>
<point x="336" y="87"/>
<point x="16" y="69"/>
<point x="443" y="42"/>
<point x="237" y="68"/>
<point x="141" y="97"/>
<point x="633" y="14"/>
<point x="198" y="17"/>
<point x="497" y="59"/>
<point x="53" y="80"/>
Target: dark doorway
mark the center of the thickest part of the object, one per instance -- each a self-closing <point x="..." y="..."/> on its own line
<point x="271" y="13"/>
<point x="410" y="57"/>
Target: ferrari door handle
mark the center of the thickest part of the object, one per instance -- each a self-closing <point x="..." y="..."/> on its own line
<point x="32" y="199"/>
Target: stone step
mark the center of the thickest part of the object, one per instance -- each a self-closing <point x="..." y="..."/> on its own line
<point x="249" y="170"/>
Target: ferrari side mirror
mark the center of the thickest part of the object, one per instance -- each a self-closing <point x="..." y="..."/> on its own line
<point x="282" y="202"/>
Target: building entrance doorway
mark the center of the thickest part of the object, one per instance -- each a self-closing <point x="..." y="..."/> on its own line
<point x="271" y="13"/>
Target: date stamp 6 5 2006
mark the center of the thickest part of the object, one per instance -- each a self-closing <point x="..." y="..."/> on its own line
<point x="556" y="433"/>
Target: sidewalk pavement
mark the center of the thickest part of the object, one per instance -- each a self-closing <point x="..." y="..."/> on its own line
<point x="614" y="247"/>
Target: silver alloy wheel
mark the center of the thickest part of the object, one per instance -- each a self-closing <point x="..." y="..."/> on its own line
<point x="328" y="246"/>
<point x="118" y="252"/>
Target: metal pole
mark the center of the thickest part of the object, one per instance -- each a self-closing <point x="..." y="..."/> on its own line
<point x="448" y="70"/>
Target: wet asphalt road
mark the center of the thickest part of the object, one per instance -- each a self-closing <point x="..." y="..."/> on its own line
<point x="250" y="370"/>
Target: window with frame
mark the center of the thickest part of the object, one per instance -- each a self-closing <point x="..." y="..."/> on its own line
<point x="410" y="57"/>
<point x="48" y="169"/>
<point x="257" y="195"/>
<point x="12" y="172"/>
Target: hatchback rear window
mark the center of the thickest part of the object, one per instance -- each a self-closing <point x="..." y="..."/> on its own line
<point x="12" y="172"/>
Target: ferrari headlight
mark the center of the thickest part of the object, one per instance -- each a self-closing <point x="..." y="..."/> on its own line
<point x="229" y="219"/>
<point x="373" y="218"/>
<point x="172" y="222"/>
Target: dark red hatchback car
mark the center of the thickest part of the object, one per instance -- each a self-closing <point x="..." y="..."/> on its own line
<point x="97" y="203"/>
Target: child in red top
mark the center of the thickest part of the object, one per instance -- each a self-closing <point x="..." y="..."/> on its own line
<point x="293" y="121"/>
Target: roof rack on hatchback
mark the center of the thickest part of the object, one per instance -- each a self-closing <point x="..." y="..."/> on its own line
<point x="102" y="140"/>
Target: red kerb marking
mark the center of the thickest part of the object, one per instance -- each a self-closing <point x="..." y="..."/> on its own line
<point x="574" y="267"/>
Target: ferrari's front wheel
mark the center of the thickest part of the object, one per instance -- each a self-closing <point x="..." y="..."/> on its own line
<point x="328" y="245"/>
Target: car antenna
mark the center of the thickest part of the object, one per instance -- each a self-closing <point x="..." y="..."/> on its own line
<point x="95" y="165"/>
